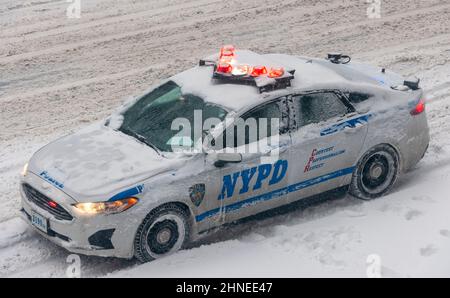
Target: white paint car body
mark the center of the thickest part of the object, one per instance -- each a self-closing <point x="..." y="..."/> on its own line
<point x="100" y="163"/>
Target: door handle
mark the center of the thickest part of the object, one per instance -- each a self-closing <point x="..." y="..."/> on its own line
<point x="351" y="130"/>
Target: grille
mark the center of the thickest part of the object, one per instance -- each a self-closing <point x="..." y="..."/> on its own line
<point x="42" y="201"/>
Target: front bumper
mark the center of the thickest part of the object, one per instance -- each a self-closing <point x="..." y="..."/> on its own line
<point x="100" y="235"/>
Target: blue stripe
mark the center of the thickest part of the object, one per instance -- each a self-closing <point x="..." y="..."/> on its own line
<point x="127" y="193"/>
<point x="275" y="194"/>
<point x="349" y="123"/>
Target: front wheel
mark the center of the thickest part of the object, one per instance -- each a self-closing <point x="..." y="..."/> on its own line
<point x="162" y="232"/>
<point x="375" y="173"/>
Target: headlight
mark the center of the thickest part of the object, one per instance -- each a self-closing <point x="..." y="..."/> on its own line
<point x="106" y="207"/>
<point x="25" y="170"/>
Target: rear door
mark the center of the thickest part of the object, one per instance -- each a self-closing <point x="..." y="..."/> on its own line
<point x="326" y="139"/>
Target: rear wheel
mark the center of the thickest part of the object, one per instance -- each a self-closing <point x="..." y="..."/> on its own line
<point x="375" y="173"/>
<point x="162" y="232"/>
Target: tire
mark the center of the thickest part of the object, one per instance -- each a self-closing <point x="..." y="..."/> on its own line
<point x="164" y="231"/>
<point x="375" y="173"/>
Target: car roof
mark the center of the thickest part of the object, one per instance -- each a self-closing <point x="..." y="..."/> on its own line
<point x="310" y="74"/>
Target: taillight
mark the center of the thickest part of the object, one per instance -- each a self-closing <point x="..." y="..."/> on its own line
<point x="419" y="108"/>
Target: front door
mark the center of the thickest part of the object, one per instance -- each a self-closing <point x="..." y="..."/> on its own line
<point x="259" y="182"/>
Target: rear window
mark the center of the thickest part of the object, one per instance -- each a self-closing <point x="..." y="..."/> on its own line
<point x="358" y="97"/>
<point x="318" y="107"/>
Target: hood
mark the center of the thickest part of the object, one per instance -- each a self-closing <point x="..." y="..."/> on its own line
<point x="97" y="161"/>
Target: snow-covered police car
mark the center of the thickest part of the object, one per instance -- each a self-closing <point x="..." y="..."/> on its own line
<point x="129" y="186"/>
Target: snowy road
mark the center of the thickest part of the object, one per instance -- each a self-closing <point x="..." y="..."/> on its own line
<point x="59" y="74"/>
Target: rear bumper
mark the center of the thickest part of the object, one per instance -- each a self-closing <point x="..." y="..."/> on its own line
<point x="417" y="141"/>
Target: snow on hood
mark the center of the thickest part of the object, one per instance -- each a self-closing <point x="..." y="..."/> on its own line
<point x="97" y="161"/>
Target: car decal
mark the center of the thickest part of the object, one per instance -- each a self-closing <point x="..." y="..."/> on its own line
<point x="197" y="193"/>
<point x="319" y="157"/>
<point x="380" y="80"/>
<point x="127" y="193"/>
<point x="276" y="172"/>
<point x="274" y="194"/>
<point x="351" y="123"/>
<point x="50" y="179"/>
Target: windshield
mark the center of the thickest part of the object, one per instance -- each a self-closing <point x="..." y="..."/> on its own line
<point x="150" y="118"/>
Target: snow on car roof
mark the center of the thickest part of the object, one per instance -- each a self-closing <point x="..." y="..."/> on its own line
<point x="198" y="81"/>
<point x="309" y="74"/>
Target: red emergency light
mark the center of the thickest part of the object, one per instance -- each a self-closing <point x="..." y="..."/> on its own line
<point x="52" y="204"/>
<point x="258" y="71"/>
<point x="227" y="51"/>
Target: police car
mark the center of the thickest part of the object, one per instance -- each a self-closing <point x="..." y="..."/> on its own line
<point x="140" y="184"/>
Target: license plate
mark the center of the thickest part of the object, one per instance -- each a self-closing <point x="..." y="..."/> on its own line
<point x="39" y="222"/>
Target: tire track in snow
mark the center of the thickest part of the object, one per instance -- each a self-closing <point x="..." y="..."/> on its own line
<point x="11" y="37"/>
<point x="24" y="253"/>
<point x="116" y="37"/>
<point x="74" y="84"/>
<point x="179" y="36"/>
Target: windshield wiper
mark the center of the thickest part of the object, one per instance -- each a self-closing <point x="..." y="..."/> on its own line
<point x="140" y="138"/>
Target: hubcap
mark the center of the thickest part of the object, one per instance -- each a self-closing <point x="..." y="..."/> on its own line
<point x="376" y="171"/>
<point x="164" y="236"/>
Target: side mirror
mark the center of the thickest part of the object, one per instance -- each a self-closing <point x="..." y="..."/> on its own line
<point x="224" y="158"/>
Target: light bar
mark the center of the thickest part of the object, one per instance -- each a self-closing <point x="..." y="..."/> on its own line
<point x="230" y="69"/>
<point x="227" y="64"/>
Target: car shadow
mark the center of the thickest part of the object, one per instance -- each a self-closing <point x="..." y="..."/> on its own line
<point x="295" y="213"/>
<point x="303" y="210"/>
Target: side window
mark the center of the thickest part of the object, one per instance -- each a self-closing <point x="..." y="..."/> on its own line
<point x="257" y="124"/>
<point x="271" y="112"/>
<point x="318" y="107"/>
